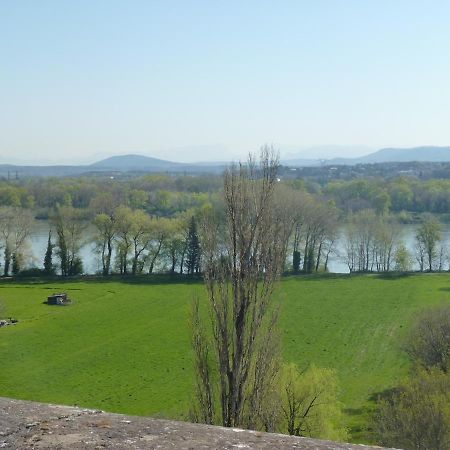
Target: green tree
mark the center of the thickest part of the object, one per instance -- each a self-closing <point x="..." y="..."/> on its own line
<point x="402" y="258"/>
<point x="428" y="237"/>
<point x="106" y="229"/>
<point x="140" y="239"/>
<point x="309" y="403"/>
<point x="175" y="243"/>
<point x="159" y="230"/>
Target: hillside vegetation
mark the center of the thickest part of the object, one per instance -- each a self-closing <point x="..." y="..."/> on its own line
<point x="124" y="346"/>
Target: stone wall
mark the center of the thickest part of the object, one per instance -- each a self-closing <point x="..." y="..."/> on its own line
<point x="30" y="425"/>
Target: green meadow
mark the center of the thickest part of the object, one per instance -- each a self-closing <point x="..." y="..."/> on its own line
<point x="124" y="345"/>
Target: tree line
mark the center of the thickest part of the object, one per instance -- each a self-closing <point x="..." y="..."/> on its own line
<point x="130" y="241"/>
<point x="167" y="195"/>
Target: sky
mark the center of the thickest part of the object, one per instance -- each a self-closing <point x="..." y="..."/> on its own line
<point x="213" y="80"/>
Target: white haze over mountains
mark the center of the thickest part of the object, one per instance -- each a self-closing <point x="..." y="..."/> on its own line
<point x="324" y="151"/>
<point x="196" y="154"/>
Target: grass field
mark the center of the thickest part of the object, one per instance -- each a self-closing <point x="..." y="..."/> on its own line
<point x="123" y="346"/>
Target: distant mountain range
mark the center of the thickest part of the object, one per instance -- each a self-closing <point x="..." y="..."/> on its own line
<point x="145" y="164"/>
<point x="111" y="166"/>
<point x="426" y="153"/>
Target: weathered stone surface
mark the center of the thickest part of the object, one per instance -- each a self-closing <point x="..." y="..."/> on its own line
<point x="30" y="425"/>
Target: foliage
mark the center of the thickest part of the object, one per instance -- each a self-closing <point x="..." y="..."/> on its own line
<point x="309" y="403"/>
<point x="428" y="237"/>
<point x="417" y="415"/>
<point x="402" y="258"/>
<point x="76" y="267"/>
<point x="33" y="272"/>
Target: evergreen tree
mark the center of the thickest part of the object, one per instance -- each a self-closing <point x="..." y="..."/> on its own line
<point x="193" y="248"/>
<point x="48" y="259"/>
<point x="296" y="261"/>
<point x="16" y="263"/>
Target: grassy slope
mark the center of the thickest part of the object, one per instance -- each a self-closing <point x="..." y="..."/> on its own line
<point x="125" y="346"/>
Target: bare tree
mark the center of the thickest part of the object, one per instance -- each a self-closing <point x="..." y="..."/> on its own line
<point x="15" y="228"/>
<point x="314" y="231"/>
<point x="104" y="238"/>
<point x="387" y="235"/>
<point x="240" y="273"/>
<point x="105" y="221"/>
<point x="428" y="342"/>
<point x="123" y="238"/>
<point x="361" y="240"/>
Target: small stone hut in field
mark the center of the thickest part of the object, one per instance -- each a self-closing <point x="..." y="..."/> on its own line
<point x="59" y="299"/>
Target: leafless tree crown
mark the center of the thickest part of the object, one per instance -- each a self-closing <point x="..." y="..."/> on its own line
<point x="242" y="265"/>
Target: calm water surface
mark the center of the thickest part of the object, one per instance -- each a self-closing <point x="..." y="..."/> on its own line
<point x="92" y="264"/>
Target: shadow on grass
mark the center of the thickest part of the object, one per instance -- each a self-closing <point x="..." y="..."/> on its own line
<point x="335" y="276"/>
<point x="153" y="279"/>
<point x="361" y="426"/>
<point x="165" y="279"/>
<point x="395" y="275"/>
<point x="354" y="411"/>
<point x="387" y="394"/>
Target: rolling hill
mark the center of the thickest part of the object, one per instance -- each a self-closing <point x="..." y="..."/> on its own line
<point x="141" y="164"/>
<point x="385" y="155"/>
<point x="429" y="154"/>
<point x="136" y="162"/>
<point x="114" y="164"/>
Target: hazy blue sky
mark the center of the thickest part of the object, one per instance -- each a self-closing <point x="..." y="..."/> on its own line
<point x="195" y="80"/>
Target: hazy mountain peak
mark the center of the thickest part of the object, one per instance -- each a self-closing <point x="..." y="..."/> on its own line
<point x="133" y="161"/>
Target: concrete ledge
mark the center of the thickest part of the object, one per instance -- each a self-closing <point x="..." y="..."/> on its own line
<point x="30" y="425"/>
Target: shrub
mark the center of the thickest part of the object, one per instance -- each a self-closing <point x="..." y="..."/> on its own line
<point x="428" y="343"/>
<point x="417" y="415"/>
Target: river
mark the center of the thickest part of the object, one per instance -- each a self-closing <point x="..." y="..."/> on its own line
<point x="92" y="264"/>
